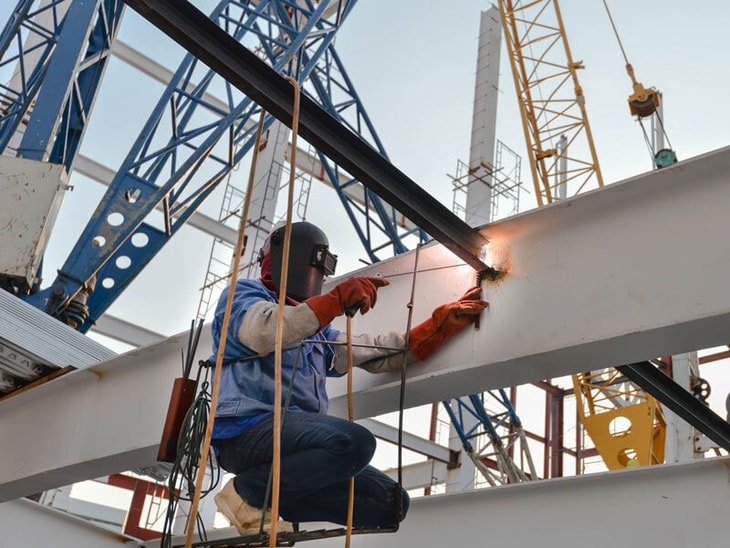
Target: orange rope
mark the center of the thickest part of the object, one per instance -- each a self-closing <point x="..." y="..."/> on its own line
<point x="222" y="343"/>
<point x="351" y="416"/>
<point x="276" y="456"/>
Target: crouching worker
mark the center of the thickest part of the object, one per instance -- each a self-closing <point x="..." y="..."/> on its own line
<point x="319" y="453"/>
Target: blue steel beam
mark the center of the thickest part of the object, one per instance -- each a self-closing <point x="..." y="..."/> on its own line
<point x="61" y="49"/>
<point x="28" y="45"/>
<point x="58" y="120"/>
<point x="502" y="418"/>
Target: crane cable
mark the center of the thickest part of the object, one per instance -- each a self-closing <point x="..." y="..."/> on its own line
<point x="238" y="251"/>
<point x="276" y="457"/>
<point x="618" y="38"/>
<point x="401" y="405"/>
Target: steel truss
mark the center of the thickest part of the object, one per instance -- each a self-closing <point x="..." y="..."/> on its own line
<point x="496" y="433"/>
<point x="189" y="145"/>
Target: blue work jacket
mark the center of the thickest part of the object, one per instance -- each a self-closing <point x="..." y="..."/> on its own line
<point x="247" y="380"/>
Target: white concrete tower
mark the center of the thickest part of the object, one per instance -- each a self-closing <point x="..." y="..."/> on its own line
<point x="481" y="154"/>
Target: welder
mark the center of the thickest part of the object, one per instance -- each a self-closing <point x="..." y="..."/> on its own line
<point x="319" y="453"/>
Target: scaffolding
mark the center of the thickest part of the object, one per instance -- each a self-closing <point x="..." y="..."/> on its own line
<point x="504" y="180"/>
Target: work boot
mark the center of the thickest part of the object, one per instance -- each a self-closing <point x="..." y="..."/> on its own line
<point x="244" y="517"/>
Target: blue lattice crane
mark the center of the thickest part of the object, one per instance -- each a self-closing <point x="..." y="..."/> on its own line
<point x="60" y="51"/>
<point x="47" y="104"/>
<point x="491" y="436"/>
<point x="188" y="145"/>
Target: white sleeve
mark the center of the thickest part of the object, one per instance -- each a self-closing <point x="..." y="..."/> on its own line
<point x="258" y="328"/>
<point x="377" y="354"/>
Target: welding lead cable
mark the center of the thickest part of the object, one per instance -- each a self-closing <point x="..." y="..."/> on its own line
<point x="402" y="395"/>
<point x="238" y="251"/>
<point x="276" y="456"/>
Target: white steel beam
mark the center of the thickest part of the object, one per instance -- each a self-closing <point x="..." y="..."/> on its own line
<point x="27" y="523"/>
<point x="138" y="60"/>
<point x="409" y="441"/>
<point x="584" y="287"/>
<point x="682" y="506"/>
<point x="420" y="475"/>
<point x="126" y="332"/>
<point x="89" y="423"/>
<point x="609" y="277"/>
<point x="668" y="496"/>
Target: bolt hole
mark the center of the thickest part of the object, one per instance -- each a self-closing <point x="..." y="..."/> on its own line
<point x="123" y="262"/>
<point x="115" y="219"/>
<point x="140" y="239"/>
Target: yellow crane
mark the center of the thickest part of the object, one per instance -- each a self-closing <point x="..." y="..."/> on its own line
<point x="558" y="136"/>
<point x="626" y="425"/>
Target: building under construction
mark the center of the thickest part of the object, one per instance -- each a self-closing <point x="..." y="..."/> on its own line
<point x="578" y="392"/>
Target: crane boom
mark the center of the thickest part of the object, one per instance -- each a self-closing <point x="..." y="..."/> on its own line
<point x="558" y="136"/>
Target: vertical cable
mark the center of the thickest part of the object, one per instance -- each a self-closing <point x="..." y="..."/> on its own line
<point x="402" y="394"/>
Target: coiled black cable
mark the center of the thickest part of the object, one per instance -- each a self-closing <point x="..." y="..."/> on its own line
<point x="182" y="478"/>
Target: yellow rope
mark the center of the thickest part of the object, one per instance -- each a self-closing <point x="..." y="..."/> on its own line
<point x="351" y="416"/>
<point x="276" y="456"/>
<point x="222" y="343"/>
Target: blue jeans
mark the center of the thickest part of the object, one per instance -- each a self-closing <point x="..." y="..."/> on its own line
<point x="319" y="455"/>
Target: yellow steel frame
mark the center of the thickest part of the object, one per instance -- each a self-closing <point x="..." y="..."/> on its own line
<point x="626" y="425"/>
<point x="543" y="72"/>
<point x="562" y="153"/>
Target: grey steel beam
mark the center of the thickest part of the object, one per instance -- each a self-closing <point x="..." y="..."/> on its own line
<point x="194" y="31"/>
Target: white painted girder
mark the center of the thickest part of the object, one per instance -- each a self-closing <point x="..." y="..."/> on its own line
<point x="599" y="280"/>
<point x="681" y="505"/>
<point x="89" y="423"/>
<point x="27" y="523"/>
<point x="635" y="270"/>
<point x="651" y="506"/>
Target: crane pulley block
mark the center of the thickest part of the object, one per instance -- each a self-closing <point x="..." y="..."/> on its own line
<point x="643" y="102"/>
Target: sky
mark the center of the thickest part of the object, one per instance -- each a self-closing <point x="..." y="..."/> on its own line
<point x="413" y="64"/>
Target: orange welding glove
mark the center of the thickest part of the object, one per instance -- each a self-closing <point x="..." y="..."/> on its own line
<point x="447" y="320"/>
<point x="350" y="296"/>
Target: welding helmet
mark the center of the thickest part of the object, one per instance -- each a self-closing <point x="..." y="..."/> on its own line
<point x="309" y="259"/>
